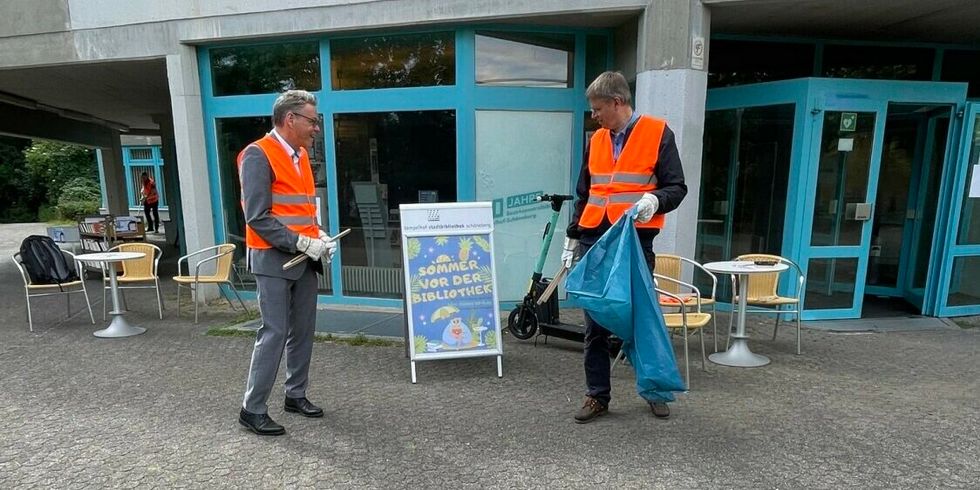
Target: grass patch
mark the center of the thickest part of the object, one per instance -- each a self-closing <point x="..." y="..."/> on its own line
<point x="230" y="332"/>
<point x="967" y="321"/>
<point x="356" y="340"/>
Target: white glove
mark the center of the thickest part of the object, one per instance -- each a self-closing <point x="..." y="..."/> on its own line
<point x="646" y="207"/>
<point x="314" y="248"/>
<point x="568" y="252"/>
<point x="331" y="245"/>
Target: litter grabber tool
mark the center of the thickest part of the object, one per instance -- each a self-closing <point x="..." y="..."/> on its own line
<point x="299" y="258"/>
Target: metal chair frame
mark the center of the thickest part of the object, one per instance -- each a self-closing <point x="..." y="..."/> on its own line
<point x="776" y="309"/>
<point x="16" y="258"/>
<point x="219" y="277"/>
<point x="157" y="253"/>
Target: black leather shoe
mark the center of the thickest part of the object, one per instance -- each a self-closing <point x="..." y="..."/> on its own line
<point x="260" y="423"/>
<point x="303" y="407"/>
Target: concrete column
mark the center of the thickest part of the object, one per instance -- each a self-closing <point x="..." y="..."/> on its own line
<point x="114" y="175"/>
<point x="171" y="178"/>
<point x="188" y="144"/>
<point x="671" y="83"/>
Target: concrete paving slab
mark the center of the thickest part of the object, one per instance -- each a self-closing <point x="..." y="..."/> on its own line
<point x="160" y="409"/>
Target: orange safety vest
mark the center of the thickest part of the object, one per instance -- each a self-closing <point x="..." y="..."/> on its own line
<point x="149" y="192"/>
<point x="293" y="195"/>
<point x="618" y="184"/>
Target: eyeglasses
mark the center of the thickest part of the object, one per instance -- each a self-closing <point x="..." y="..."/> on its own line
<point x="308" y="118"/>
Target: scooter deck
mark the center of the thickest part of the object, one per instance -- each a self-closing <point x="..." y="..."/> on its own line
<point x="567" y="331"/>
<point x="575" y="333"/>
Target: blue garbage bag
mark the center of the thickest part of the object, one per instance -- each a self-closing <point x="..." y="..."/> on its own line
<point x="613" y="285"/>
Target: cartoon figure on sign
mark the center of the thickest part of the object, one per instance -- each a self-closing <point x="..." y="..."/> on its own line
<point x="456" y="334"/>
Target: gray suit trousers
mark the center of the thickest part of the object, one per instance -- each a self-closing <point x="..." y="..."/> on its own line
<point x="288" y="319"/>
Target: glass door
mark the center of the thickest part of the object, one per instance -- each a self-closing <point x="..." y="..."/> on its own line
<point x="845" y="154"/>
<point x="914" y="150"/>
<point x="960" y="291"/>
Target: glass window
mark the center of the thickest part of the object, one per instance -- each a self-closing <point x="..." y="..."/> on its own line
<point x="413" y="60"/>
<point x="234" y="134"/>
<point x="830" y="283"/>
<point x="753" y="147"/>
<point x="961" y="66"/>
<point x="509" y="176"/>
<point x="964" y="288"/>
<point x="969" y="233"/>
<point x="744" y="62"/>
<point x="385" y="159"/>
<point x="877" y="62"/>
<point x="720" y="147"/>
<point x="596" y="56"/>
<point x="269" y="68"/>
<point x="521" y="59"/>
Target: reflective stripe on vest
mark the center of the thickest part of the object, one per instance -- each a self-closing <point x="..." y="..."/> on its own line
<point x="617" y="185"/>
<point x="293" y="194"/>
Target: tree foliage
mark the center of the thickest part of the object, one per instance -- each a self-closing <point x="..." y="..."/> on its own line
<point x="19" y="198"/>
<point x="52" y="165"/>
<point x="32" y="175"/>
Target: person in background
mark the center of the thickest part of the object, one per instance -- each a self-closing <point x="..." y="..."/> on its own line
<point x="279" y="202"/>
<point x="631" y="160"/>
<point x="151" y="203"/>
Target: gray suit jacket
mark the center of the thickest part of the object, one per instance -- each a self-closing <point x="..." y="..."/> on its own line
<point x="256" y="179"/>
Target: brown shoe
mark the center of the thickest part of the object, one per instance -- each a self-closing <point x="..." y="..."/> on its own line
<point x="590" y="410"/>
<point x="660" y="410"/>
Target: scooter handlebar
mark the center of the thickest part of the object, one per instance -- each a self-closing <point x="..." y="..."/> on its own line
<point x="556" y="200"/>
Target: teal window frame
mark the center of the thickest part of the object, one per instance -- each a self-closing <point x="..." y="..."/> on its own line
<point x="464" y="97"/>
<point x="155" y="161"/>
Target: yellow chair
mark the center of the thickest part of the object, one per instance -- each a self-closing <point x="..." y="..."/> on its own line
<point x="763" y="296"/>
<point x="135" y="272"/>
<point x="683" y="321"/>
<point x="672" y="266"/>
<point x="218" y="261"/>
<point x="65" y="288"/>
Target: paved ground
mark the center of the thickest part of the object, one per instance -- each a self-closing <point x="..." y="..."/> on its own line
<point x="159" y="410"/>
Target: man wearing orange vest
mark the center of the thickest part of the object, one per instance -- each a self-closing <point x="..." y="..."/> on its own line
<point x="631" y="160"/>
<point x="279" y="202"/>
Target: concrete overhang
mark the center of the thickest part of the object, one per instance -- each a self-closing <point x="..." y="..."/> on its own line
<point x="121" y="95"/>
<point x="932" y="21"/>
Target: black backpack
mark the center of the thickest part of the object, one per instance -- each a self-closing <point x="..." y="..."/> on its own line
<point x="44" y="261"/>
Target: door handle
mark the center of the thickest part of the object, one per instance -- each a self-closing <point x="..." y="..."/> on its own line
<point x="859" y="211"/>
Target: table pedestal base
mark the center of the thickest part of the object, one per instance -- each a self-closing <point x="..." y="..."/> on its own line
<point x="119" y="327"/>
<point x="738" y="355"/>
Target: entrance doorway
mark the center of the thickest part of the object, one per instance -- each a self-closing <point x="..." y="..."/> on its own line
<point x="871" y="166"/>
<point x="912" y="157"/>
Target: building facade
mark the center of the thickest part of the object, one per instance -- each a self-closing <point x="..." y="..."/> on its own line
<point x="848" y="151"/>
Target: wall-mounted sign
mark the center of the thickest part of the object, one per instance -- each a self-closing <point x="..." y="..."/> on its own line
<point x="450" y="282"/>
<point x="848" y="121"/>
<point x="697" y="53"/>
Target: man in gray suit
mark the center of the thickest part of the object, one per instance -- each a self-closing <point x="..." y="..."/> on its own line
<point x="278" y="199"/>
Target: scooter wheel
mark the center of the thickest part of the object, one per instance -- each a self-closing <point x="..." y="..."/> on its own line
<point x="526" y="329"/>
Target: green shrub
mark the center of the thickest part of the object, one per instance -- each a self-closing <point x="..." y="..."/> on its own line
<point x="48" y="213"/>
<point x="79" y="197"/>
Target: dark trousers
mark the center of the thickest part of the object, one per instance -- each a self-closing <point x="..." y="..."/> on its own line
<point x="597" y="347"/>
<point x="152" y="220"/>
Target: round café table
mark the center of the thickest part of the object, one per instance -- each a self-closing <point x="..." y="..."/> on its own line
<point x="118" y="327"/>
<point x="738" y="353"/>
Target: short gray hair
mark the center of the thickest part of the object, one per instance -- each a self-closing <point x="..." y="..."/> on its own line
<point x="609" y="85"/>
<point x="290" y="101"/>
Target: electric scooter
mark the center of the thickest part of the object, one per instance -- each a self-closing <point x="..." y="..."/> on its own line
<point x="539" y="309"/>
